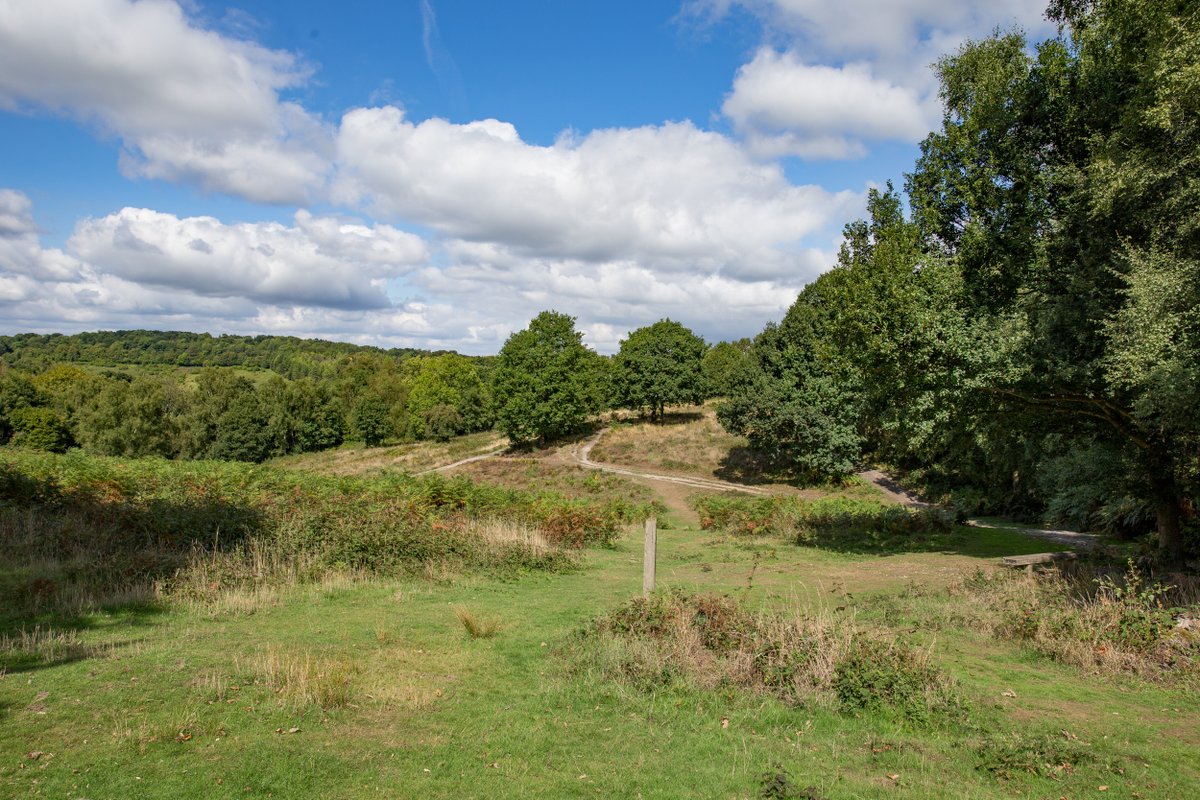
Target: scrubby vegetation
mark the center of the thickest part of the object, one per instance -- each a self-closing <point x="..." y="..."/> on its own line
<point x="175" y="624"/>
<point x="78" y="531"/>
<point x="712" y="641"/>
<point x="1096" y="619"/>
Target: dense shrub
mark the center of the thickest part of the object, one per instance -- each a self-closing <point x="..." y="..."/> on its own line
<point x="878" y="674"/>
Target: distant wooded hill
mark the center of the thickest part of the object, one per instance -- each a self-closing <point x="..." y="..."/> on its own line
<point x="287" y="355"/>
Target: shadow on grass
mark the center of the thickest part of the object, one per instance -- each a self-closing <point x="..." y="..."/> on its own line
<point x="93" y="545"/>
<point x="749" y="467"/>
<point x="32" y="660"/>
<point x="859" y="527"/>
<point x="960" y="540"/>
<point x="541" y="449"/>
<point x="667" y="419"/>
<point x="52" y="638"/>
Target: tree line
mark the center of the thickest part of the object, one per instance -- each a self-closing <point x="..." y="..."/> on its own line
<point x="288" y="356"/>
<point x="1026" y="336"/>
<point x="544" y="384"/>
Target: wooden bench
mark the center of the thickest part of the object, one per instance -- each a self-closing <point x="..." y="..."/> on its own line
<point x="1037" y="559"/>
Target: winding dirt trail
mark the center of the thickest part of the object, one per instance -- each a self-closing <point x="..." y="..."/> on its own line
<point x="675" y="496"/>
<point x="581" y="454"/>
<point x="461" y="461"/>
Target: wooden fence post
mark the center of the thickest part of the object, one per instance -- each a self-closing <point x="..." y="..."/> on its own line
<point x="650" y="555"/>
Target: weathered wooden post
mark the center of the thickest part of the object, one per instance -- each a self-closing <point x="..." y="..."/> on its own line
<point x="650" y="555"/>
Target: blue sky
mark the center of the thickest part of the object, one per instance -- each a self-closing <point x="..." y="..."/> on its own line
<point x="432" y="173"/>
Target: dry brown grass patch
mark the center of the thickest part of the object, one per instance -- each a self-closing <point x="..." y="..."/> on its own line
<point x="691" y="441"/>
<point x="477" y="627"/>
<point x="712" y="641"/>
<point x="303" y="678"/>
<point x="1106" y="623"/>
<point x="412" y="457"/>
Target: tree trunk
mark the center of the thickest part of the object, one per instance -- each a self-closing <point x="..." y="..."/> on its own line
<point x="1165" y="494"/>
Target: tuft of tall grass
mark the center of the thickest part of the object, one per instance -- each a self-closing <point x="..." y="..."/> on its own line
<point x="477" y="627"/>
<point x="41" y="645"/>
<point x="304" y="679"/>
<point x="711" y="641"/>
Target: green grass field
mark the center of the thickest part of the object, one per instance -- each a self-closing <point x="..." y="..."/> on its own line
<point x="456" y="682"/>
<point x="165" y="703"/>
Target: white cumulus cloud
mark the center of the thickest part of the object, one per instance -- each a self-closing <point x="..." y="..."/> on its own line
<point x="23" y="260"/>
<point x="784" y="106"/>
<point x="834" y="77"/>
<point x="671" y="197"/>
<point x="187" y="103"/>
<point x="319" y="261"/>
<point x="332" y="277"/>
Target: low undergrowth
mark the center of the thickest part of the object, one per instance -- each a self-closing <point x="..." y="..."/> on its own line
<point x="836" y="523"/>
<point x="1107" y="622"/>
<point x="40" y="646"/>
<point x="1012" y="754"/>
<point x="711" y="641"/>
<point x="78" y="532"/>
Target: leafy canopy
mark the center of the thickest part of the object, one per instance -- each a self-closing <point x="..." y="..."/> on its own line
<point x="544" y="385"/>
<point x="657" y="366"/>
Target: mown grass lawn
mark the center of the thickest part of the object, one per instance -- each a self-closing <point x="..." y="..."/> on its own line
<point x="171" y="703"/>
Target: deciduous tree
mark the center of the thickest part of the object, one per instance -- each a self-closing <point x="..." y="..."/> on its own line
<point x="657" y="366"/>
<point x="545" y="382"/>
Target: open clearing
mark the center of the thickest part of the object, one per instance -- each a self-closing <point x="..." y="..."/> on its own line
<point x="372" y="688"/>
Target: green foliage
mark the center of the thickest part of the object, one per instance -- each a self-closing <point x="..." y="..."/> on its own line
<point x="723" y="366"/>
<point x="793" y="406"/>
<point x="777" y="785"/>
<point x="289" y="356"/>
<point x="1064" y="184"/>
<point x="853" y="367"/>
<point x="227" y="410"/>
<point x="887" y="676"/>
<point x="657" y="366"/>
<point x="1038" y="312"/>
<point x="446" y="398"/>
<point x="1009" y="755"/>
<point x="370" y="421"/>
<point x="136" y="419"/>
<point x="41" y="428"/>
<point x="832" y="523"/>
<point x="442" y="422"/>
<point x="16" y="391"/>
<point x="1089" y="488"/>
<point x="545" y="383"/>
